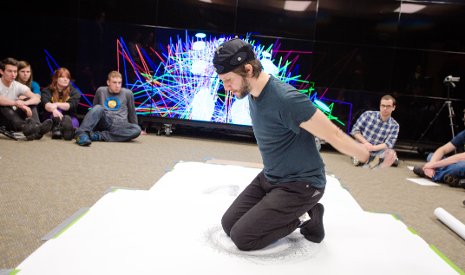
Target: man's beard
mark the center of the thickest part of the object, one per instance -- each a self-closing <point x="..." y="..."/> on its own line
<point x="244" y="90"/>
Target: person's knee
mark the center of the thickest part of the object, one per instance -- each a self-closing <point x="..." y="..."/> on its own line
<point x="97" y="109"/>
<point x="227" y="224"/>
<point x="239" y="238"/>
<point x="460" y="165"/>
<point x="390" y="157"/>
<point x="136" y="131"/>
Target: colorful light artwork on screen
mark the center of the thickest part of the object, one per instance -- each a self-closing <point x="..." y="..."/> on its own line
<point x="180" y="82"/>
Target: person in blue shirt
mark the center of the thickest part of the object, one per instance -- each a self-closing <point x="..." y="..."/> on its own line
<point x="378" y="131"/>
<point x="285" y="123"/>
<point x="447" y="163"/>
<point x="25" y="76"/>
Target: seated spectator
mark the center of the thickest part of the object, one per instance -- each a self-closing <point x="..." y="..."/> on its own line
<point x="19" y="114"/>
<point x="25" y="77"/>
<point x="60" y="99"/>
<point x="378" y="132"/>
<point x="449" y="170"/>
<point x="113" y="117"/>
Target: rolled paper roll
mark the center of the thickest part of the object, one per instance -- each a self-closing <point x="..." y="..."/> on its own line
<point x="445" y="217"/>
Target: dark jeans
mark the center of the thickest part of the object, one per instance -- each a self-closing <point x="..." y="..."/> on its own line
<point x="264" y="213"/>
<point x="97" y="121"/>
<point x="14" y="119"/>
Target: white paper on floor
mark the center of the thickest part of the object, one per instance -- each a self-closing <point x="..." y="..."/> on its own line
<point x="423" y="181"/>
<point x="174" y="228"/>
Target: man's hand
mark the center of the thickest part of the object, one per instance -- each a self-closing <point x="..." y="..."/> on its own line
<point x="26" y="109"/>
<point x="19" y="103"/>
<point x="369" y="146"/>
<point x="429" y="172"/>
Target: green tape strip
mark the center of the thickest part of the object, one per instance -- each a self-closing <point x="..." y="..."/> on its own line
<point x="70" y="224"/>
<point x="449" y="262"/>
<point x="14" y="271"/>
<point x="412" y="230"/>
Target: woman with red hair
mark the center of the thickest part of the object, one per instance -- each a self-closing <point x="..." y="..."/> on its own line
<point x="61" y="100"/>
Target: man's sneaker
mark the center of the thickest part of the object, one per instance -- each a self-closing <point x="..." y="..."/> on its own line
<point x="375" y="162"/>
<point x="461" y="183"/>
<point x="30" y="129"/>
<point x="83" y="140"/>
<point x="451" y="180"/>
<point x="418" y="170"/>
<point x="8" y="133"/>
<point x="67" y="128"/>
<point x="95" y="136"/>
<point x="356" y="162"/>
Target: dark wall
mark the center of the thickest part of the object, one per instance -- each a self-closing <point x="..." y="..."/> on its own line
<point x="361" y="49"/>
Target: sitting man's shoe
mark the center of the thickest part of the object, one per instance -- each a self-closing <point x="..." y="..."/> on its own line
<point x="8" y="133"/>
<point x="376" y="161"/>
<point x="418" y="170"/>
<point x="30" y="129"/>
<point x="67" y="128"/>
<point x="83" y="140"/>
<point x="95" y="136"/>
<point x="461" y="183"/>
<point x="452" y="180"/>
<point x="356" y="162"/>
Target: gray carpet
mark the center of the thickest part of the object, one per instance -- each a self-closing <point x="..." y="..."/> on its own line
<point x="42" y="183"/>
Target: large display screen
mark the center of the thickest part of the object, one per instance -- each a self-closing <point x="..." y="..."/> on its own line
<point x="174" y="77"/>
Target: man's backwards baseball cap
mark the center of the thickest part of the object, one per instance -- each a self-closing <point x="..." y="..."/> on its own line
<point x="231" y="54"/>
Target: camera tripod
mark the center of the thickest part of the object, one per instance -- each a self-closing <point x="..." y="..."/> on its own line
<point x="448" y="104"/>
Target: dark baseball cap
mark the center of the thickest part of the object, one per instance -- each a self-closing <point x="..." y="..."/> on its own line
<point x="231" y="54"/>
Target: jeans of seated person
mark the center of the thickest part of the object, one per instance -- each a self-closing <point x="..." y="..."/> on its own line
<point x="456" y="169"/>
<point x="14" y="119"/>
<point x="96" y="120"/>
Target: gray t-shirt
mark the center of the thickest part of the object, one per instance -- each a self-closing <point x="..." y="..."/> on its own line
<point x="120" y="107"/>
<point x="14" y="91"/>
<point x="289" y="152"/>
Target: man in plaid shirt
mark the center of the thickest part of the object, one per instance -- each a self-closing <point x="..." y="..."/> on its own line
<point x="378" y="132"/>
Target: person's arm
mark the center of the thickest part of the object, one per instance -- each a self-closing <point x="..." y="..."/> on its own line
<point x="357" y="129"/>
<point x="32" y="99"/>
<point x="71" y="103"/>
<point x="358" y="137"/>
<point x="73" y="100"/>
<point x="389" y="141"/>
<point x="97" y="97"/>
<point x="320" y="126"/>
<point x="5" y="101"/>
<point x="132" y="115"/>
<point x="445" y="162"/>
<point x="438" y="155"/>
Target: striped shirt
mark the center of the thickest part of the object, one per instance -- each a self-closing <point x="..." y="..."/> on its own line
<point x="376" y="131"/>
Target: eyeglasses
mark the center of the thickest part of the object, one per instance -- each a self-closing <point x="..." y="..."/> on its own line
<point x="386" y="106"/>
